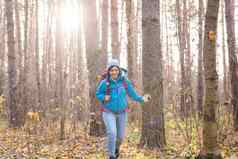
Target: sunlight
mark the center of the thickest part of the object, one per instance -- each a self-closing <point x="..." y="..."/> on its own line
<point x="70" y="17"/>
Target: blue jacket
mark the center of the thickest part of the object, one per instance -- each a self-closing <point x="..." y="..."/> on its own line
<point x="118" y="94"/>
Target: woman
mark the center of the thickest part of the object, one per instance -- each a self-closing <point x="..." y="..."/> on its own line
<point x="112" y="92"/>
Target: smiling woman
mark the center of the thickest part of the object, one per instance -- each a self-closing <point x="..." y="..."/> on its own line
<point x="70" y="16"/>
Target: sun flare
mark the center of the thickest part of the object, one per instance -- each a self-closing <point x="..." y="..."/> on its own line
<point x="70" y="17"/>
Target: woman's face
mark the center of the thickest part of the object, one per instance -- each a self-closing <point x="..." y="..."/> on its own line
<point x="114" y="72"/>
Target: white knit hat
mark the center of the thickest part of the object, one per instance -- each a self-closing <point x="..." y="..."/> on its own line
<point x="113" y="62"/>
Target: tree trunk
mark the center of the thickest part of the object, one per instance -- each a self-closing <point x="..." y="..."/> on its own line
<point x="200" y="86"/>
<point x="49" y="53"/>
<point x="2" y="51"/>
<point x="19" y="56"/>
<point x="82" y="91"/>
<point x="26" y="59"/>
<point x="225" y="85"/>
<point x="188" y="62"/>
<point x="138" y="54"/>
<point x="45" y="96"/>
<point x="233" y="65"/>
<point x="59" y="70"/>
<point x="115" y="30"/>
<point x="105" y="23"/>
<point x="19" y="46"/>
<point x="12" y="86"/>
<point x="180" y="31"/>
<point x="210" y="147"/>
<point x="153" y="133"/>
<point x="131" y="49"/>
<point x="167" y="59"/>
<point x="131" y="54"/>
<point x="94" y="65"/>
<point x="39" y="106"/>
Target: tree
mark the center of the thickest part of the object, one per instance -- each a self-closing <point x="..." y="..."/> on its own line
<point x="47" y="46"/>
<point x="94" y="64"/>
<point x="37" y="57"/>
<point x="188" y="62"/>
<point x="233" y="64"/>
<point x="210" y="147"/>
<point x="26" y="59"/>
<point x="2" y="49"/>
<point x="115" y="30"/>
<point x="182" y="43"/>
<point x="105" y="27"/>
<point x="131" y="50"/>
<point x="224" y="63"/>
<point x="12" y="86"/>
<point x="18" y="44"/>
<point x="183" y="31"/>
<point x="19" y="66"/>
<point x="153" y="133"/>
<point x="200" y="79"/>
<point x="82" y="84"/>
<point x="59" y="69"/>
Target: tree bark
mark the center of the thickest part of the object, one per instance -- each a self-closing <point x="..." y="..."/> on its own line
<point x="200" y="85"/>
<point x="25" y="90"/>
<point x="225" y="85"/>
<point x="115" y="30"/>
<point x="37" y="59"/>
<point x="153" y="133"/>
<point x="2" y="52"/>
<point x="12" y="86"/>
<point x="59" y="70"/>
<point x="94" y="65"/>
<point x="188" y="61"/>
<point x="210" y="147"/>
<point x="19" y="45"/>
<point x="233" y="64"/>
<point x="131" y="49"/>
<point x="181" y="39"/>
<point x="105" y="23"/>
<point x="19" y="62"/>
<point x="45" y="96"/>
<point x="131" y="54"/>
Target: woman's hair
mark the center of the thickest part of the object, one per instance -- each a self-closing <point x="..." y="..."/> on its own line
<point x="111" y="68"/>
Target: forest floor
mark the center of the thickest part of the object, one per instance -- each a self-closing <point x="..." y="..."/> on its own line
<point x="35" y="141"/>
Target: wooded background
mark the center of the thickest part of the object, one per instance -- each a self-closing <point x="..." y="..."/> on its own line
<point x="182" y="52"/>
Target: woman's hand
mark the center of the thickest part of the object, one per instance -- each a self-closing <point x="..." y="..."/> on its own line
<point x="146" y="98"/>
<point x="107" y="98"/>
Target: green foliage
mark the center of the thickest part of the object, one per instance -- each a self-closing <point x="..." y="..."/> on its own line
<point x="171" y="124"/>
<point x="2" y="105"/>
<point x="134" y="135"/>
<point x="170" y="149"/>
<point x="2" y="81"/>
<point x="190" y="152"/>
<point x="187" y="136"/>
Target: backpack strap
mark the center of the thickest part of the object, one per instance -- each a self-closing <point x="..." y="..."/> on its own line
<point x="102" y="109"/>
<point x="108" y="87"/>
<point x="125" y="86"/>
